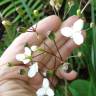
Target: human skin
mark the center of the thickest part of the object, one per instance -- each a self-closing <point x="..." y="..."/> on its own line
<point x="11" y="82"/>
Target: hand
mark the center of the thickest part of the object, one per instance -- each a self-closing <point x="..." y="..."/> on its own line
<point x="11" y="78"/>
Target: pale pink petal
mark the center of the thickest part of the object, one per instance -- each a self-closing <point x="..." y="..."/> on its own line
<point x="66" y="31"/>
<point x="27" y="51"/>
<point x="34" y="48"/>
<point x="33" y="70"/>
<point x="78" y="25"/>
<point x="78" y="38"/>
<point x="50" y="92"/>
<point x="20" y="57"/>
<point x="26" y="61"/>
<point x="40" y="92"/>
<point x="45" y="83"/>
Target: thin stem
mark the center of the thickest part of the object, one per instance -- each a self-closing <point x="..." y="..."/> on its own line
<point x="80" y="4"/>
<point x="72" y="57"/>
<point x="66" y="90"/>
<point x="67" y="12"/>
<point x="41" y="74"/>
<point x="58" y="51"/>
<point x="52" y="54"/>
<point x="49" y="48"/>
<point x="54" y="10"/>
<point x="38" y="55"/>
<point x="85" y="6"/>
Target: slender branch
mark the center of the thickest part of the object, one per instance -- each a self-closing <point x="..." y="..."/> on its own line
<point x="38" y="55"/>
<point x="66" y="89"/>
<point x="58" y="51"/>
<point x="85" y="6"/>
<point x="49" y="48"/>
<point x="52" y="54"/>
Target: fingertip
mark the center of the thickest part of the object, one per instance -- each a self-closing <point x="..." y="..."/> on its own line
<point x="50" y="23"/>
<point x="69" y="22"/>
<point x="68" y="76"/>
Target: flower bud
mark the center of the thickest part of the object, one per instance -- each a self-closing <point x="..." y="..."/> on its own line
<point x="36" y="13"/>
<point x="78" y="12"/>
<point x="92" y="25"/>
<point x="6" y="23"/>
<point x="79" y="54"/>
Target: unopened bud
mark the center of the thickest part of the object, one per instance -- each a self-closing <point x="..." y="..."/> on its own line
<point x="78" y="12"/>
<point x="92" y="25"/>
<point x="79" y="54"/>
<point x="20" y="11"/>
<point x="36" y="13"/>
<point x="70" y="3"/>
<point x="6" y="23"/>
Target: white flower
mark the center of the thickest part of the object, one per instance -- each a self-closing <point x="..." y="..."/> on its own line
<point x="24" y="57"/>
<point x="33" y="70"/>
<point x="34" y="48"/>
<point x="74" y="32"/>
<point x="45" y="89"/>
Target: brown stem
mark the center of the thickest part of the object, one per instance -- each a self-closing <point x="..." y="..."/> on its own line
<point x="38" y="55"/>
<point x="52" y="54"/>
<point x="58" y="51"/>
<point x="49" y="48"/>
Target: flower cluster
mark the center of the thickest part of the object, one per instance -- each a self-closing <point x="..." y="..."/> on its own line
<point x="26" y="58"/>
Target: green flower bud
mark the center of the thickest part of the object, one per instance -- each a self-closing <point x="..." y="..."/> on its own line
<point x="20" y="11"/>
<point x="36" y="13"/>
<point x="92" y="25"/>
<point x="6" y="23"/>
<point x="79" y="54"/>
<point x="78" y="12"/>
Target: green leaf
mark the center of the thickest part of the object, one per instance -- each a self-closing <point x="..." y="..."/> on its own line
<point x="59" y="91"/>
<point x="79" y="88"/>
<point x="51" y="36"/>
<point x="73" y="91"/>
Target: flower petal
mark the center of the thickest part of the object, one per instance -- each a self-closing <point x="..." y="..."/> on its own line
<point x="50" y="92"/>
<point x="26" y="61"/>
<point x="78" y="38"/>
<point x="78" y="25"/>
<point x="33" y="70"/>
<point x="66" y="31"/>
<point x="40" y="92"/>
<point x="27" y="51"/>
<point x="45" y="83"/>
<point x="34" y="48"/>
<point x="20" y="57"/>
